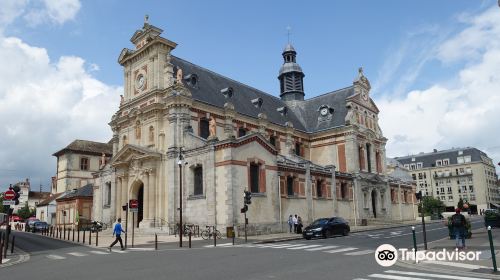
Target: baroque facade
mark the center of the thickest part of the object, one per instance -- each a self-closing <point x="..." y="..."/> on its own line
<point x="317" y="157"/>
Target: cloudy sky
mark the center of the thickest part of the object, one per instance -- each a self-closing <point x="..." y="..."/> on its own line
<point x="434" y="65"/>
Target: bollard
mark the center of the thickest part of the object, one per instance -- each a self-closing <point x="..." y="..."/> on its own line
<point x="73" y="234"/>
<point x="78" y="236"/>
<point x="156" y="241"/>
<point x="12" y="245"/>
<point x="90" y="237"/>
<point x="64" y="233"/>
<point x="97" y="238"/>
<point x="215" y="238"/>
<point x="414" y="240"/>
<point x="1" y="250"/>
<point x="83" y="236"/>
<point x="493" y="257"/>
<point x="189" y="239"/>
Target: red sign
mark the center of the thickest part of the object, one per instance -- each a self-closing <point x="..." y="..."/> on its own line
<point x="133" y="203"/>
<point x="9" y="195"/>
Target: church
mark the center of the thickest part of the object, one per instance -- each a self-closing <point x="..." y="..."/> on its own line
<point x="181" y="125"/>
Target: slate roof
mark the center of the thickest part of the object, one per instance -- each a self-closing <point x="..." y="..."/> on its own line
<point x="49" y="199"/>
<point x="429" y="159"/>
<point x="85" y="191"/>
<point x="302" y="114"/>
<point x="84" y="146"/>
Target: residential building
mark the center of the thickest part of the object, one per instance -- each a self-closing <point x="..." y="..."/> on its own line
<point x="46" y="209"/>
<point x="77" y="161"/>
<point x="74" y="207"/>
<point x="454" y="174"/>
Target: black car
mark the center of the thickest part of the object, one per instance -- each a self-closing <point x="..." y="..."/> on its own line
<point x="39" y="227"/>
<point x="326" y="227"/>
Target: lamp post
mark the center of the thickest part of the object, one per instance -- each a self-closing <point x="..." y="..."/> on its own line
<point x="179" y="162"/>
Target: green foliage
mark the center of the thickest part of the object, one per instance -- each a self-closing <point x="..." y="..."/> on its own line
<point x="431" y="205"/>
<point x="25" y="212"/>
<point x="2" y="208"/>
<point x="460" y="204"/>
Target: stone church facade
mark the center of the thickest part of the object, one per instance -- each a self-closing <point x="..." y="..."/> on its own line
<point x="317" y="157"/>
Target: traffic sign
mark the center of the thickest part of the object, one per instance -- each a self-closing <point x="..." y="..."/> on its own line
<point x="9" y="202"/>
<point x="9" y="195"/>
<point x="133" y="203"/>
<point x="134" y="210"/>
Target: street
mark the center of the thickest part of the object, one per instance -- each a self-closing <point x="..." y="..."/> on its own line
<point x="348" y="257"/>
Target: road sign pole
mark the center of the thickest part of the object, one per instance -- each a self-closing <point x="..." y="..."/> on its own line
<point x="133" y="226"/>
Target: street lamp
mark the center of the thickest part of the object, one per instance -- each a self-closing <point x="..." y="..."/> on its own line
<point x="180" y="162"/>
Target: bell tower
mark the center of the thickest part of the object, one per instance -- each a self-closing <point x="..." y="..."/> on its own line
<point x="291" y="76"/>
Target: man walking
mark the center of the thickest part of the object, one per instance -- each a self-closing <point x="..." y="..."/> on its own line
<point x="117" y="231"/>
<point x="290" y="223"/>
<point x="458" y="225"/>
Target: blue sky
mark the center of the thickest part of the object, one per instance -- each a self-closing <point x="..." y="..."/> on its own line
<point x="418" y="55"/>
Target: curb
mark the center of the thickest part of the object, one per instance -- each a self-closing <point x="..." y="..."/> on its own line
<point x="447" y="271"/>
<point x="23" y="257"/>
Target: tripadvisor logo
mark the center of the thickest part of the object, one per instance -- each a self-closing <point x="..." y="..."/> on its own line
<point x="387" y="255"/>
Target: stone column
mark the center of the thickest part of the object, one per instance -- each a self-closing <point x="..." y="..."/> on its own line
<point x="145" y="197"/>
<point x="151" y="195"/>
<point x="229" y="114"/>
<point x="124" y="190"/>
<point x="172" y="122"/>
<point x="334" y="192"/>
<point x="118" y="197"/>
<point x="308" y="191"/>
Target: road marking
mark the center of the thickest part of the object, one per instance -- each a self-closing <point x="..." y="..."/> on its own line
<point x="77" y="254"/>
<point x="454" y="264"/>
<point x="225" y="244"/>
<point x="395" y="277"/>
<point x="120" y="251"/>
<point x="322" y="248"/>
<point x="287" y="246"/>
<point x="55" y="257"/>
<point x="359" y="253"/>
<point x="303" y="247"/>
<point x="341" y="250"/>
<point x="5" y="260"/>
<point x="99" y="252"/>
<point x="140" y="249"/>
<point x="433" y="275"/>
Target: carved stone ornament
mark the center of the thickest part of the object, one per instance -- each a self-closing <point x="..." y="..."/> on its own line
<point x="179" y="76"/>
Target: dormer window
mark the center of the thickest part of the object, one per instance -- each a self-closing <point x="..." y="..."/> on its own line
<point x="257" y="102"/>
<point x="282" y="110"/>
<point x="227" y="92"/>
<point x="191" y="79"/>
<point x="325" y="110"/>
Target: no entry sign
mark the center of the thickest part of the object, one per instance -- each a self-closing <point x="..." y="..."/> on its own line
<point x="133" y="203"/>
<point x="9" y="195"/>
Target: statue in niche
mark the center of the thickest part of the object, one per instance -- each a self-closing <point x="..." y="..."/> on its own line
<point x="349" y="118"/>
<point x="103" y="160"/>
<point x="179" y="76"/>
<point x="138" y="130"/>
<point x="212" y="127"/>
<point x="122" y="99"/>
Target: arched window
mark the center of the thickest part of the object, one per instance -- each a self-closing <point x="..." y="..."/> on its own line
<point x="272" y="140"/>
<point x="343" y="191"/>
<point x="319" y="188"/>
<point x="298" y="148"/>
<point x="204" y="128"/>
<point x="151" y="134"/>
<point x="124" y="140"/>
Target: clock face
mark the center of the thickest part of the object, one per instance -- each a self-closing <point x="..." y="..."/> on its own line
<point x="140" y="81"/>
<point x="324" y="111"/>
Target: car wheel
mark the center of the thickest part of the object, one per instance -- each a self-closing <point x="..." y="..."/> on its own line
<point x="345" y="232"/>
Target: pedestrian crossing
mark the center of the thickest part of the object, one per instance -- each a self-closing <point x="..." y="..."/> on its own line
<point x="63" y="256"/>
<point x="411" y="275"/>
<point x="330" y="249"/>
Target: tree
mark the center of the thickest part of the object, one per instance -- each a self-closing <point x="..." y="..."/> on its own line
<point x="431" y="205"/>
<point x="460" y="204"/>
<point x="25" y="212"/>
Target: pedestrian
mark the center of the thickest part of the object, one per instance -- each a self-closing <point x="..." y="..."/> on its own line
<point x="299" y="225"/>
<point x="118" y="232"/>
<point x="458" y="223"/>
<point x="290" y="223"/>
<point x="295" y="223"/>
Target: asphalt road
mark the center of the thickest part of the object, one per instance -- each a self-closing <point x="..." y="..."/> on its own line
<point x="334" y="258"/>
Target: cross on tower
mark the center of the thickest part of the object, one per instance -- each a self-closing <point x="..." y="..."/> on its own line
<point x="289" y="30"/>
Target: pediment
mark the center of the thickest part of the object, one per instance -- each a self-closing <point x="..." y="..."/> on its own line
<point x="132" y="152"/>
<point x="248" y="139"/>
<point x="368" y="104"/>
<point x="123" y="54"/>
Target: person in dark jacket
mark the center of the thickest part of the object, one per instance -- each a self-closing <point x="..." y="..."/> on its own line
<point x="458" y="223"/>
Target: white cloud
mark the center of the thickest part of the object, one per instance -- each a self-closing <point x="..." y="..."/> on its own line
<point x="10" y="10"/>
<point x="44" y="105"/>
<point x="457" y="113"/>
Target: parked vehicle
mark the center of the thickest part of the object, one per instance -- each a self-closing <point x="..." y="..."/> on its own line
<point x="98" y="226"/>
<point x="492" y="218"/>
<point x="327" y="227"/>
<point x="30" y="223"/>
<point x="39" y="227"/>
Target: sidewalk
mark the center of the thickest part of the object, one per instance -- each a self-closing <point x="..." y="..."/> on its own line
<point x="477" y="244"/>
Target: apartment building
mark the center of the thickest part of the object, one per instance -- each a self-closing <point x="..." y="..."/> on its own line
<point x="449" y="175"/>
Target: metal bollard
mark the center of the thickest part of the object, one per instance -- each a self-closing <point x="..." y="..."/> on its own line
<point x="414" y="240"/>
<point x="1" y="250"/>
<point x="97" y="238"/>
<point x="73" y="234"/>
<point x="78" y="236"/>
<point x="90" y="237"/>
<point x="493" y="257"/>
<point x="64" y="233"/>
<point x="189" y="239"/>
<point x="215" y="238"/>
<point x="83" y="236"/>
<point x="156" y="241"/>
<point x="12" y="245"/>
